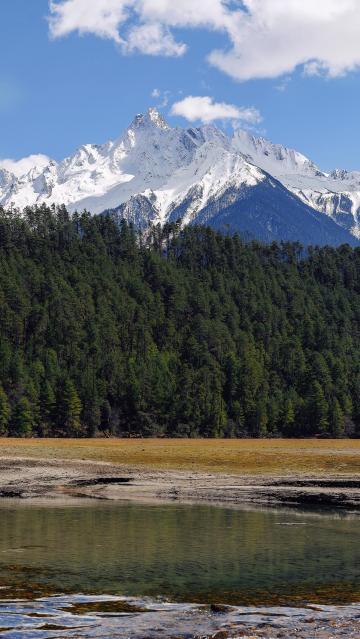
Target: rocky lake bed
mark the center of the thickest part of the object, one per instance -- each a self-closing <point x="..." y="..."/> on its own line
<point x="182" y="548"/>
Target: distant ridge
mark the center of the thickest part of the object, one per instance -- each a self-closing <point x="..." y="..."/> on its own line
<point x="155" y="173"/>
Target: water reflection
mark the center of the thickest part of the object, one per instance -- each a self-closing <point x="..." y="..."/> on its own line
<point x="189" y="553"/>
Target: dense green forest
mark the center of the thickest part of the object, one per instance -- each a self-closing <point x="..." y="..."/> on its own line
<point x="179" y="333"/>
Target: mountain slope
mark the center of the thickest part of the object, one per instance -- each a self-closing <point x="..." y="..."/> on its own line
<point x="270" y="212"/>
<point x="336" y="194"/>
<point x="154" y="173"/>
<point x="214" y="337"/>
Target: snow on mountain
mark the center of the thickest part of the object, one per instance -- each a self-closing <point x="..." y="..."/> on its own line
<point x="23" y="166"/>
<point x="273" y="158"/>
<point x="211" y="172"/>
<point x="336" y="194"/>
<point x="154" y="172"/>
<point x="6" y="180"/>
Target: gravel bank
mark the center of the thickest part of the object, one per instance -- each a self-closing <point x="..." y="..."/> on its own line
<point x="34" y="478"/>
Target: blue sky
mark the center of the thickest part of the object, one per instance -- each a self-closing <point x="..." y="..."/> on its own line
<point x="85" y="84"/>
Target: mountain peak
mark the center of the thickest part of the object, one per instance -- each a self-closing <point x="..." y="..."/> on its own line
<point x="152" y="118"/>
<point x="161" y="173"/>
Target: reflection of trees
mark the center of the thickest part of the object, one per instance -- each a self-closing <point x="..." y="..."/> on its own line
<point x="178" y="550"/>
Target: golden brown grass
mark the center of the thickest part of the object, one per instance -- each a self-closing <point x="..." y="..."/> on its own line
<point x="280" y="456"/>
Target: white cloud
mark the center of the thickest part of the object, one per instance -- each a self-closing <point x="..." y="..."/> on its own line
<point x="283" y="84"/>
<point x="23" y="166"/>
<point x="204" y="108"/>
<point x="153" y="39"/>
<point x="266" y="38"/>
<point x="211" y="14"/>
<point x="276" y="36"/>
<point x="162" y="96"/>
<point x="100" y="17"/>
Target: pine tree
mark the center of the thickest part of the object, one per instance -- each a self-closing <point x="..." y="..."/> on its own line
<point x="23" y="418"/>
<point x="92" y="415"/>
<point x="5" y="411"/>
<point x="288" y="419"/>
<point x="105" y="417"/>
<point x="318" y="410"/>
<point x="47" y="409"/>
<point x="187" y="332"/>
<point x="337" y="420"/>
<point x="261" y="419"/>
<point x="69" y="411"/>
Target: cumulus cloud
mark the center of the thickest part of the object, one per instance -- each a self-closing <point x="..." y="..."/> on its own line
<point x="275" y="37"/>
<point x="205" y="109"/>
<point x="99" y="17"/>
<point x="153" y="39"/>
<point x="266" y="38"/>
<point x="23" y="166"/>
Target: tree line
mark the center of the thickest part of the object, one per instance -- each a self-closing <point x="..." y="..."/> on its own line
<point x="180" y="333"/>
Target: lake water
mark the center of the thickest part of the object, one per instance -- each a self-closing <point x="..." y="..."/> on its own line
<point x="173" y="555"/>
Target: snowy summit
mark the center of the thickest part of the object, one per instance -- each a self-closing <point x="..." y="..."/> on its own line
<point x="156" y="173"/>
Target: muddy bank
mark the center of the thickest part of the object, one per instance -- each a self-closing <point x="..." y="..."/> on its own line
<point x="34" y="478"/>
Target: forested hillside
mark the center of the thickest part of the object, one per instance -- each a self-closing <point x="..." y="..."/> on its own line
<point x="188" y="333"/>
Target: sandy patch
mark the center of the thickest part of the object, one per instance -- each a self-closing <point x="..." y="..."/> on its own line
<point x="39" y="478"/>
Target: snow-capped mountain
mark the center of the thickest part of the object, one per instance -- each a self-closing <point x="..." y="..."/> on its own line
<point x="157" y="173"/>
<point x="336" y="194"/>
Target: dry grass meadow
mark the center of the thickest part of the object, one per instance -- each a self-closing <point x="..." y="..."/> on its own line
<point x="244" y="456"/>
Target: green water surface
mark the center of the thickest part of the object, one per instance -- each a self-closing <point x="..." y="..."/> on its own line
<point x="190" y="553"/>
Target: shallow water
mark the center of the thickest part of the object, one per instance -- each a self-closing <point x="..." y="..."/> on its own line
<point x="180" y="553"/>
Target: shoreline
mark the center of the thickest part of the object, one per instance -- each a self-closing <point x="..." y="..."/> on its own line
<point x="145" y="617"/>
<point x="65" y="482"/>
<point x="38" y="478"/>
